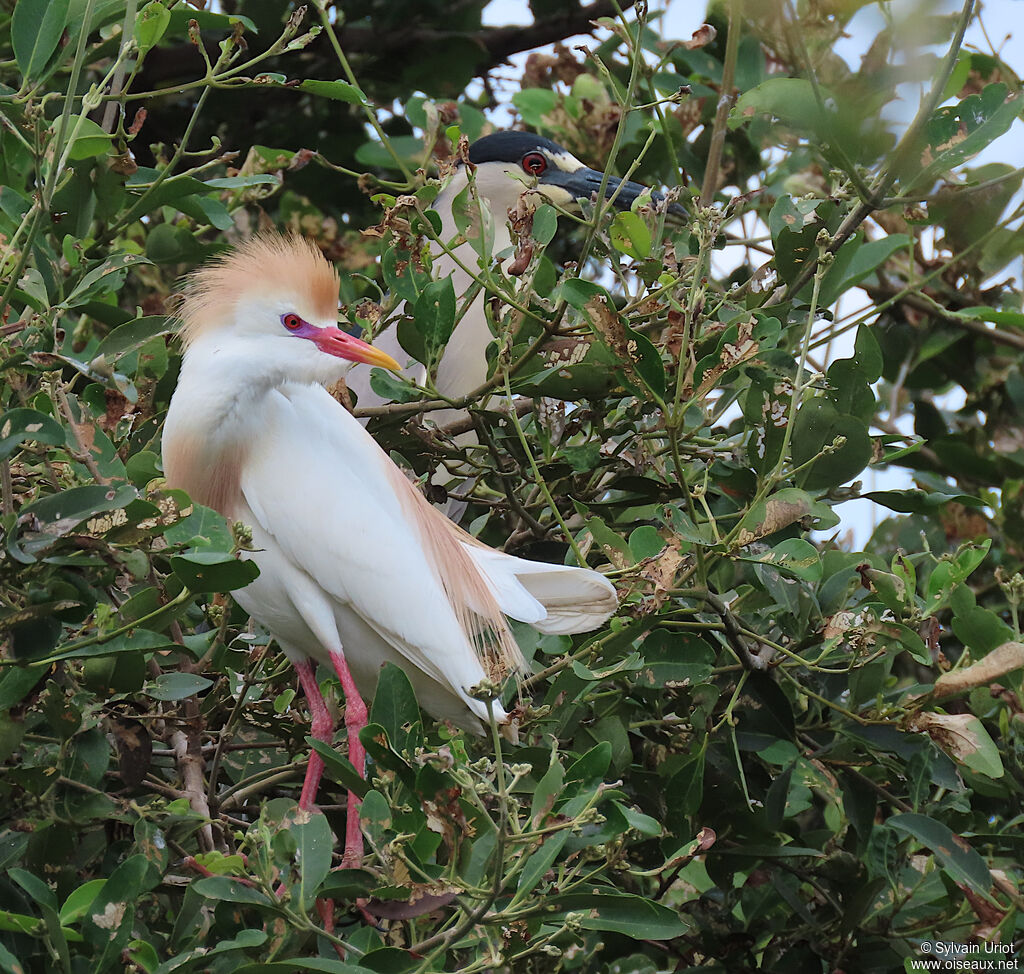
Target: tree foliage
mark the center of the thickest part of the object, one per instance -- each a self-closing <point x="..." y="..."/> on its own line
<point x="782" y="753"/>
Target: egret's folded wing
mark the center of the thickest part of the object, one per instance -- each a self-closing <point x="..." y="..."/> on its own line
<point x="315" y="484"/>
<point x="336" y="505"/>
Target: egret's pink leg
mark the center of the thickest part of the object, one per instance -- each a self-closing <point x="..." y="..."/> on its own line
<point x="355" y="721"/>
<point x="322" y="729"/>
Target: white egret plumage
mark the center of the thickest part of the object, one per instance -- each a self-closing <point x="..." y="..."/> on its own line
<point x="356" y="567"/>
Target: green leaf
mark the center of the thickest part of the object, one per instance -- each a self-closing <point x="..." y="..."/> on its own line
<point x="9" y="964"/>
<point x="434" y="314"/>
<point x="547" y="791"/>
<point x="627" y="664"/>
<point x="375" y="814"/>
<point x="204" y="209"/>
<point x="865" y="258"/>
<point x="795" y="557"/>
<point x="136" y="641"/>
<point x="241" y="182"/>
<point x="583" y="457"/>
<point x="170" y="243"/>
<point x="577" y="292"/>
<point x="592" y="766"/>
<point x="957" y="859"/>
<point x="644" y="824"/>
<point x="633" y="916"/>
<point x="59" y="514"/>
<point x="976" y="748"/>
<point x="629" y="234"/>
<point x="957" y="132"/>
<point x="411" y="340"/>
<point x="108" y="922"/>
<point x="606" y="537"/>
<point x="995" y="315"/>
<point x="79" y="900"/>
<point x="949" y="573"/>
<point x="214" y="571"/>
<point x="40" y="893"/>
<point x="538" y="863"/>
<point x="338" y="768"/>
<point x="36" y="29"/>
<point x="15" y="684"/>
<point x="389" y="960"/>
<point x="868" y="354"/>
<point x="313" y="841"/>
<point x="246" y="940"/>
<point x="645" y="542"/>
<point x="392" y="388"/>
<point x="685" y="789"/>
<point x="88" y="140"/>
<point x="348" y="884"/>
<point x="129" y="337"/>
<point x="646" y="361"/>
<point x="208" y="20"/>
<point x="176" y="686"/>
<point x="204" y="528"/>
<point x="20" y="923"/>
<point x="150" y="25"/>
<point x="88" y="758"/>
<point x="980" y="629"/>
<point x="20" y="424"/>
<point x="301" y="965"/>
<point x="790" y="99"/>
<point x="230" y="891"/>
<point x="143" y="955"/>
<point x="159" y="192"/>
<point x="99" y="279"/>
<point x="335" y="90"/>
<point x="817" y="426"/>
<point x="545" y="223"/>
<point x="394" y="704"/>
<point x="679" y="659"/>
<point x="534" y="103"/>
<point x="919" y="501"/>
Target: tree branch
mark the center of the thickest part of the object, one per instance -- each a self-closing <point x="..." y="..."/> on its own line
<point x="496" y="44"/>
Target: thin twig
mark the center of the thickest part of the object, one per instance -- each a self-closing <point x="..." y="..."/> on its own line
<point x="82" y="454"/>
<point x="725" y="98"/>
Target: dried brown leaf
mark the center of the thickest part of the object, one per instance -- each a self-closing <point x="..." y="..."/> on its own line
<point x="1002" y="659"/>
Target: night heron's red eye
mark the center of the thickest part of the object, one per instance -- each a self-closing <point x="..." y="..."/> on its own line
<point x="534" y="163"/>
<point x="291" y="321"/>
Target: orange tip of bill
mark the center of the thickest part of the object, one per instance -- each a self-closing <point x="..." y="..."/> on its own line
<point x="336" y="342"/>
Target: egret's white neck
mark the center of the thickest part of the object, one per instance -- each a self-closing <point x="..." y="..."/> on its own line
<point x="214" y="420"/>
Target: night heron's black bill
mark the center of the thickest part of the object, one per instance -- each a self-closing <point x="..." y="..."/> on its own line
<point x="583" y="183"/>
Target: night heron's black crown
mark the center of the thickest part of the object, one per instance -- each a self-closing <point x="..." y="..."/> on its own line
<point x="511" y="147"/>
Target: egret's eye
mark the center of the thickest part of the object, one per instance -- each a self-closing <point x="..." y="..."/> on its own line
<point x="291" y="321"/>
<point x="534" y="163"/>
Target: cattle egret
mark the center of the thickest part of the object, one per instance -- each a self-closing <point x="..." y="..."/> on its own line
<point x="356" y="567"/>
<point x="505" y="165"/>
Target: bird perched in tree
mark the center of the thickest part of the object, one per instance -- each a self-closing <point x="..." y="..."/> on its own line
<point x="505" y="165"/>
<point x="356" y="567"/>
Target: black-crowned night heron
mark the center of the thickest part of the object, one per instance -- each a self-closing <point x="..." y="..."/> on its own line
<point x="506" y="165"/>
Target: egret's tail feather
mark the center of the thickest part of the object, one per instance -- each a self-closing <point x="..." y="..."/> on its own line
<point x="555" y="599"/>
